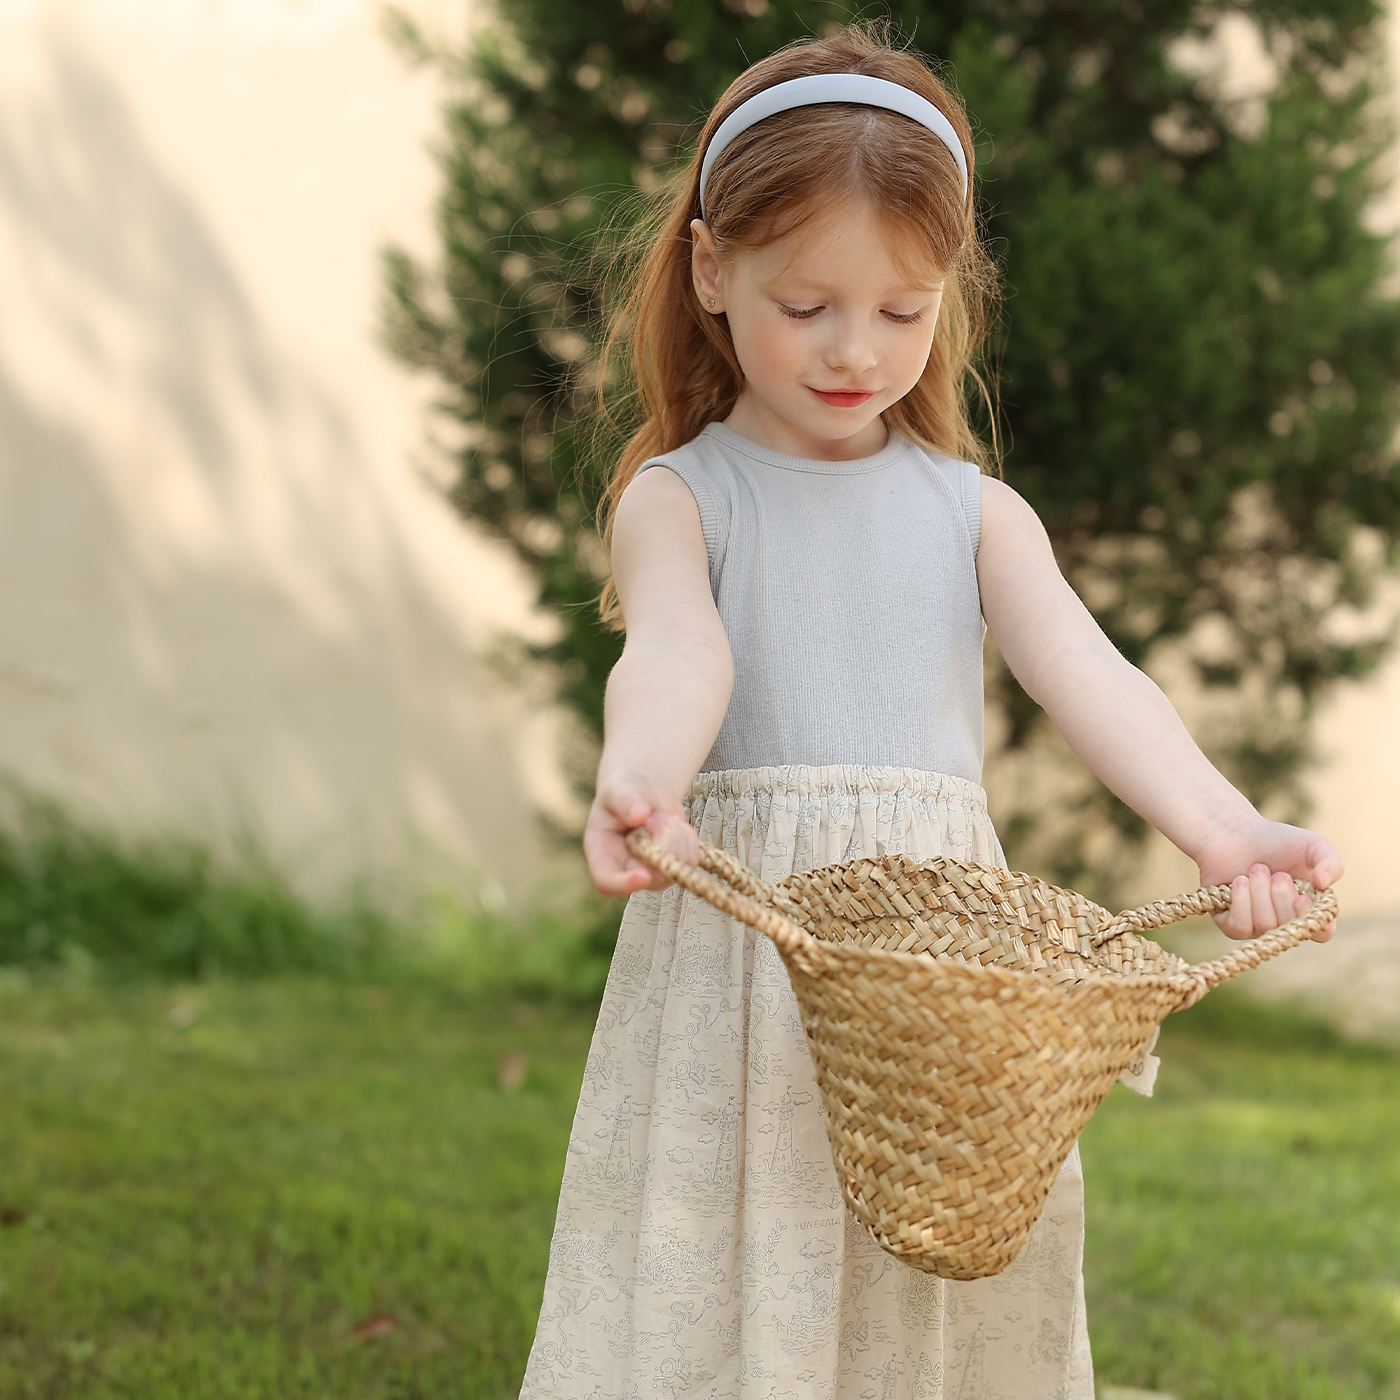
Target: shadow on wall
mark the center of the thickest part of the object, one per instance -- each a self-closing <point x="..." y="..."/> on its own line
<point x="213" y="609"/>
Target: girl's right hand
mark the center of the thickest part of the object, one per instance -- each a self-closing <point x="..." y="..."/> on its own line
<point x="624" y="803"/>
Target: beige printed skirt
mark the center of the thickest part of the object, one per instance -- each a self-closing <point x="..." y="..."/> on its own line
<point x="701" y="1247"/>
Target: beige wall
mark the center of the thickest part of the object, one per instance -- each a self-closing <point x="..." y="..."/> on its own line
<point x="1357" y="790"/>
<point x="227" y="599"/>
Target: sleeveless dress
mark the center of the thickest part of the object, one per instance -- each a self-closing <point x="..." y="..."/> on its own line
<point x="702" y="1248"/>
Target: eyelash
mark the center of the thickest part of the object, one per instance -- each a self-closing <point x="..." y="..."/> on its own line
<point x="804" y="314"/>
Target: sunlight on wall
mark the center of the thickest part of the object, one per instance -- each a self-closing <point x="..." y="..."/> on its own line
<point x="227" y="596"/>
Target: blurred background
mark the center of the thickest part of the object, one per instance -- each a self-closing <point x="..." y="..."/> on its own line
<point x="234" y="606"/>
<point x="296" y="556"/>
<point x="286" y="569"/>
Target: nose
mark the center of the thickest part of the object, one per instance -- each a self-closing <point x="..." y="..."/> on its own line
<point x="851" y="347"/>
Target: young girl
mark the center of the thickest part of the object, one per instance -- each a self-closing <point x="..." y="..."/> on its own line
<point x="804" y="550"/>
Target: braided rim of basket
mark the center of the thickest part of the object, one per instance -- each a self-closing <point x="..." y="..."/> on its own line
<point x="744" y="896"/>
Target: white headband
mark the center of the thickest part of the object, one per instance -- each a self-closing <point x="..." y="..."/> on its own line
<point x="833" y="87"/>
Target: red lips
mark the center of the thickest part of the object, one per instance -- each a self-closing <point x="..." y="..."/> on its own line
<point x="843" y="398"/>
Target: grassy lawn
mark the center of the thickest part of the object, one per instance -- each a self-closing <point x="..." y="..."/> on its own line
<point x="307" y="1189"/>
<point x="1244" y="1224"/>
<point x="275" y="1190"/>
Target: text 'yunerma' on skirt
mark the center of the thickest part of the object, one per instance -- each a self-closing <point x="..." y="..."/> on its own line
<point x="702" y="1248"/>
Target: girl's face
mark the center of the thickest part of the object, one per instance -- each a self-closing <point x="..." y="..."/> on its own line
<point x="829" y="330"/>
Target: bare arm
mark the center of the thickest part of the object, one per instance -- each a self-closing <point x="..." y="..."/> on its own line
<point x="1118" y="721"/>
<point x="667" y="694"/>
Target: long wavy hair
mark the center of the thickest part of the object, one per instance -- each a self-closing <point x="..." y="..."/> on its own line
<point x="669" y="365"/>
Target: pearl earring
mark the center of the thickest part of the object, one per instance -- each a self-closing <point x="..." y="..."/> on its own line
<point x="709" y="301"/>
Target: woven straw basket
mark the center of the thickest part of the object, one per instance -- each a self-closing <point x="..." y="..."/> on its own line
<point x="965" y="1022"/>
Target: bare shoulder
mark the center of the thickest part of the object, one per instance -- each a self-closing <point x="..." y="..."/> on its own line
<point x="659" y="559"/>
<point x="1015" y="550"/>
<point x="655" y="499"/>
<point x="1031" y="611"/>
<point x="1006" y="511"/>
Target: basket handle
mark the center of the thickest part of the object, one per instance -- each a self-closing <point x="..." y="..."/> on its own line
<point x="1202" y="977"/>
<point x="740" y="898"/>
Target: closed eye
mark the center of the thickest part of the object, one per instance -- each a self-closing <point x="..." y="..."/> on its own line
<point x="804" y="313"/>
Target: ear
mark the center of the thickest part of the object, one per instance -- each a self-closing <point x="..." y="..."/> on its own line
<point x="705" y="271"/>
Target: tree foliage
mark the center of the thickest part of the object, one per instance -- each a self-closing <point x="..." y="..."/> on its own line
<point x="1198" y="359"/>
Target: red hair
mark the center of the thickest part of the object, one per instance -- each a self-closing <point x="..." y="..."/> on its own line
<point x="677" y="362"/>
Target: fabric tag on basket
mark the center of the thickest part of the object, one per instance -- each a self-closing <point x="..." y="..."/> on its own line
<point x="1141" y="1073"/>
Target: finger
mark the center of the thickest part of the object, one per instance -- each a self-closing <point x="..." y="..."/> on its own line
<point x="628" y="804"/>
<point x="1238" y="921"/>
<point x="613" y="876"/>
<point x="1327" y="866"/>
<point x="611" y="865"/>
<point x="676" y="835"/>
<point x="1261" y="898"/>
<point x="1324" y="935"/>
<point x="656" y="880"/>
<point x="1286" y="900"/>
<point x="621" y="882"/>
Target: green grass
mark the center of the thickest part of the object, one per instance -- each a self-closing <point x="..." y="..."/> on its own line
<point x="211" y="1188"/>
<point x="1244" y="1224"/>
<point x="211" y="1211"/>
<point x="77" y="897"/>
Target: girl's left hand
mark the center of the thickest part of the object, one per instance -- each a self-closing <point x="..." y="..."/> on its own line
<point x="1260" y="862"/>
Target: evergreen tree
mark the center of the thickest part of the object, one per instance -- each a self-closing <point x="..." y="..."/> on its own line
<point x="1198" y="359"/>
